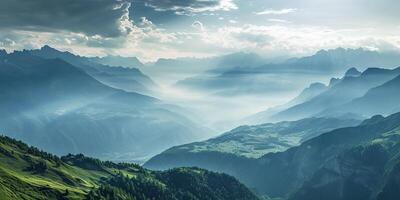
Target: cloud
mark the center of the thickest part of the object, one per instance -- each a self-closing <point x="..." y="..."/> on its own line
<point x="277" y="12"/>
<point x="108" y="18"/>
<point x="233" y="21"/>
<point x="191" y="6"/>
<point x="198" y="26"/>
<point x="7" y="42"/>
<point x="294" y="40"/>
<point x="278" y="20"/>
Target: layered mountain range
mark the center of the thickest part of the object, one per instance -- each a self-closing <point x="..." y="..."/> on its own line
<point x="312" y="158"/>
<point x="336" y="141"/>
<point x="285" y="76"/>
<point x="70" y="109"/>
<point x="355" y="95"/>
<point x="117" y="72"/>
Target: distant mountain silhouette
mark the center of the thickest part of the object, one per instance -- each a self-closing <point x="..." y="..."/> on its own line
<point x="265" y="116"/>
<point x="120" y="76"/>
<point x="262" y="78"/>
<point x="342" y="92"/>
<point x="352" y="72"/>
<point x="118" y="61"/>
<point x="383" y="99"/>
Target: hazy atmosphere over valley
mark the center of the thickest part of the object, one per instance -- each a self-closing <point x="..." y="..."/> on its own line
<point x="200" y="99"/>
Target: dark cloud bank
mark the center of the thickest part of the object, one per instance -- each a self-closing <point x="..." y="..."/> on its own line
<point x="92" y="17"/>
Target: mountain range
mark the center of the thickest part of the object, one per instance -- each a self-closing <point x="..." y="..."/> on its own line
<point x="336" y="141"/>
<point x="110" y="70"/>
<point x="66" y="110"/>
<point x="311" y="158"/>
<point x="332" y="102"/>
<point x="130" y="62"/>
<point x="285" y="76"/>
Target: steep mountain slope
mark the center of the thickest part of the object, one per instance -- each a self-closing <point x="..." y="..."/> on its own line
<point x="369" y="171"/>
<point x="67" y="111"/>
<point x="344" y="91"/>
<point x="118" y="76"/>
<point x="281" y="174"/>
<point x="246" y="141"/>
<point x="307" y="94"/>
<point x="383" y="99"/>
<point x="284" y="173"/>
<point x="27" y="173"/>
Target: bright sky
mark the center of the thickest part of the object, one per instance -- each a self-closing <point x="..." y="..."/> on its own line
<point x="150" y="29"/>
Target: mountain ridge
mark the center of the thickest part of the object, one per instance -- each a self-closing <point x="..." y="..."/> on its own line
<point x="120" y="76"/>
<point x="342" y="92"/>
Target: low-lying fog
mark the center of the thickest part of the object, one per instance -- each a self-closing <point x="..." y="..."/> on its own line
<point x="223" y="108"/>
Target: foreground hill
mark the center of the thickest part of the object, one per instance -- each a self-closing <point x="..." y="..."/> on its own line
<point x="27" y="173"/>
<point x="65" y="110"/>
<point x="348" y="162"/>
<point x="366" y="171"/>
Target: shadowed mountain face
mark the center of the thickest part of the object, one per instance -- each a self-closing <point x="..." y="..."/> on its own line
<point x="307" y="94"/>
<point x="368" y="171"/>
<point x="383" y="99"/>
<point x="67" y="111"/>
<point x="106" y="70"/>
<point x="336" y="163"/>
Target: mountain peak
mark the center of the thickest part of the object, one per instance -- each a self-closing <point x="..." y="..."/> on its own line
<point x="322" y="52"/>
<point x="317" y="85"/>
<point x="352" y="72"/>
<point x="333" y="81"/>
<point x="373" y="120"/>
<point x="47" y="48"/>
<point x="374" y="71"/>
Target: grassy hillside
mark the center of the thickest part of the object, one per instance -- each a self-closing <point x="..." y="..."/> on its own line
<point x="258" y="140"/>
<point x="368" y="171"/>
<point x="246" y="142"/>
<point x="28" y="173"/>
